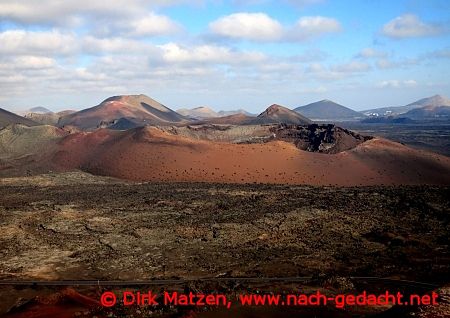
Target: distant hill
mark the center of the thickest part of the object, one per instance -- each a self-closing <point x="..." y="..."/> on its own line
<point x="429" y="112"/>
<point x="8" y="118"/>
<point x="235" y="119"/>
<point x="34" y="110"/>
<point x="206" y="112"/>
<point x="47" y="118"/>
<point x="140" y="110"/>
<point x="66" y="112"/>
<point x="44" y="118"/>
<point x="40" y="110"/>
<point x="433" y="101"/>
<point x="18" y="140"/>
<point x="327" y="110"/>
<point x="224" y="113"/>
<point x="279" y="114"/>
<point x="198" y="112"/>
<point x="436" y="100"/>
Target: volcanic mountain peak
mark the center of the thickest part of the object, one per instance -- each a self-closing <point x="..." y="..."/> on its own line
<point x="139" y="110"/>
<point x="429" y="112"/>
<point x="280" y="114"/>
<point x="327" y="110"/>
<point x="136" y="101"/>
<point x="275" y="108"/>
<point x="436" y="100"/>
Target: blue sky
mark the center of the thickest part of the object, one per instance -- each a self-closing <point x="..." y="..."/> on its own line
<point x="223" y="54"/>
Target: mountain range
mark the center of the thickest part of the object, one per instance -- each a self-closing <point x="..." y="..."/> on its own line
<point x="150" y="142"/>
<point x="130" y="111"/>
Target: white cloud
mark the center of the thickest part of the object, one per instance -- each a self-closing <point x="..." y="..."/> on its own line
<point x="68" y="11"/>
<point x="337" y="71"/>
<point x="309" y="27"/>
<point x="150" y="24"/>
<point x="100" y="46"/>
<point x="30" y="62"/>
<point x="61" y="12"/>
<point x="409" y="26"/>
<point x="386" y="63"/>
<point x="440" y="54"/>
<point x="410" y="83"/>
<point x="32" y="42"/>
<point x="116" y="17"/>
<point x="249" y="26"/>
<point x="371" y="53"/>
<point x="351" y="67"/>
<point x="260" y="27"/>
<point x="56" y="43"/>
<point x="116" y="65"/>
<point x="174" y="53"/>
<point x="397" y="83"/>
<point x="309" y="55"/>
<point x="389" y="83"/>
<point x="319" y="71"/>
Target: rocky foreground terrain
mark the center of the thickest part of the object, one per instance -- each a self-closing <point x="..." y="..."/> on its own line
<point x="75" y="226"/>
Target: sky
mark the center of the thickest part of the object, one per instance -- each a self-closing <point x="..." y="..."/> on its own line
<point x="233" y="54"/>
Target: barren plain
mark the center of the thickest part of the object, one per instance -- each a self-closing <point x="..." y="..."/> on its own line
<point x="75" y="226"/>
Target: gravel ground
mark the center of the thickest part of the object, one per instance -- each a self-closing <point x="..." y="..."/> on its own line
<point x="76" y="226"/>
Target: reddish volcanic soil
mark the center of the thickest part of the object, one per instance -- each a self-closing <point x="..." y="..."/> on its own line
<point x="64" y="304"/>
<point x="148" y="154"/>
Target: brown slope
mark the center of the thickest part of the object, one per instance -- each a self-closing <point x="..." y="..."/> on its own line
<point x="139" y="109"/>
<point x="279" y="114"/>
<point x="47" y="118"/>
<point x="25" y="148"/>
<point x="429" y="112"/>
<point x="436" y="100"/>
<point x="236" y="119"/>
<point x="149" y="154"/>
<point x="8" y="118"/>
<point x="44" y="118"/>
<point x="20" y="139"/>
